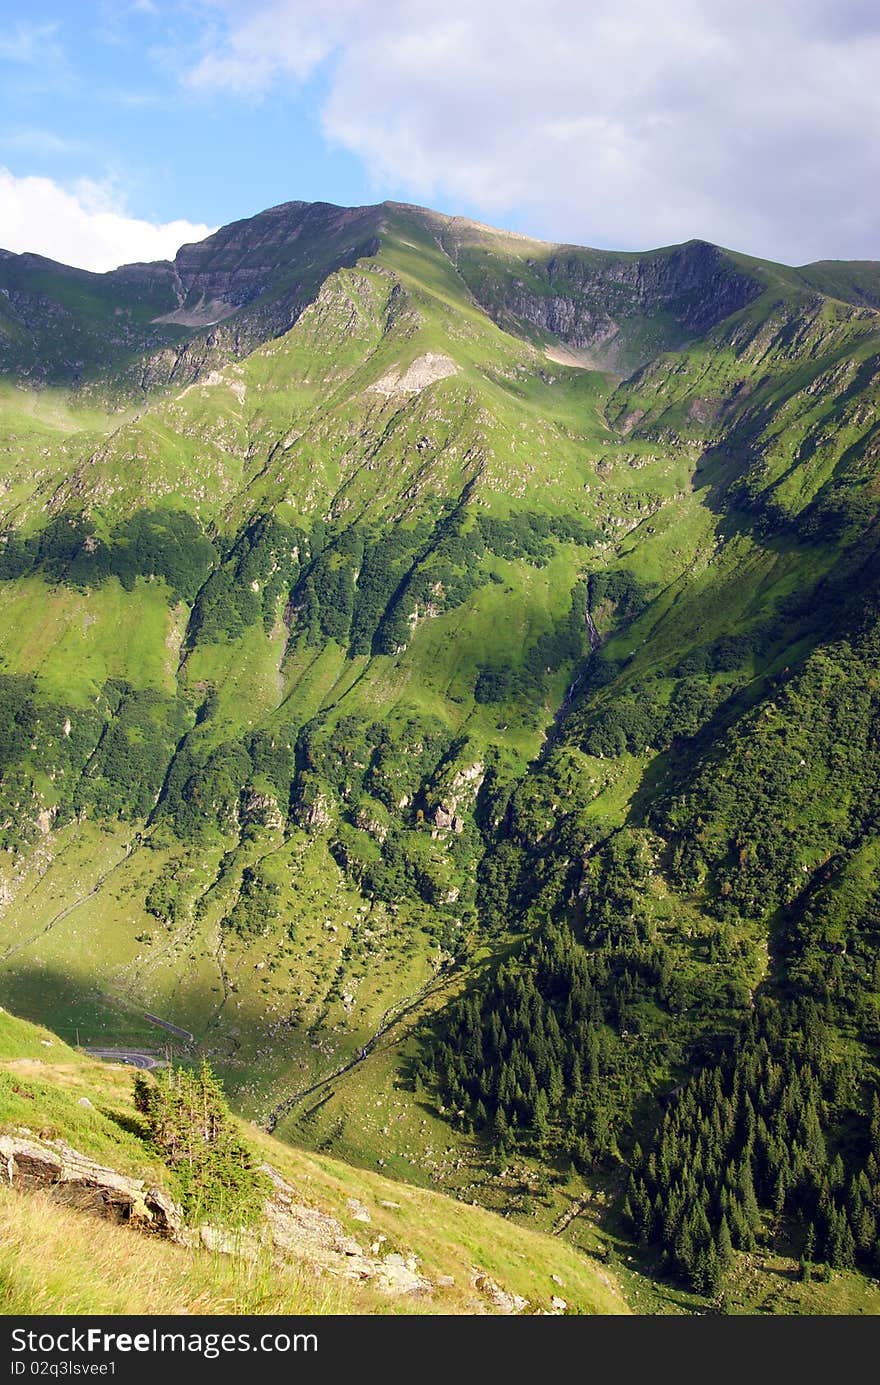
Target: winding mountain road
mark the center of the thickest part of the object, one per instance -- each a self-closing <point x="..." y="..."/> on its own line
<point x="134" y="1057"/>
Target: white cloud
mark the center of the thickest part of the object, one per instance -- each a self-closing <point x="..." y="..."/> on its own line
<point x="83" y="226"/>
<point x="612" y="122"/>
<point x="271" y="38"/>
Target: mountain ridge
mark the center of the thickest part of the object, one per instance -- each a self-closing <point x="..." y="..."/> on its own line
<point x="443" y="218"/>
<point x="191" y="292"/>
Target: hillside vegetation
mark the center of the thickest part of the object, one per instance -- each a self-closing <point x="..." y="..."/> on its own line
<point x="439" y="678"/>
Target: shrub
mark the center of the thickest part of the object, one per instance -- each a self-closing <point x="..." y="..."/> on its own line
<point x="192" y="1129"/>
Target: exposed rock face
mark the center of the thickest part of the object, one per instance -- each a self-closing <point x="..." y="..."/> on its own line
<point x="71" y="1178"/>
<point x="238" y="263"/>
<point x="460" y="792"/>
<point x="596" y="302"/>
<point x="319" y="812"/>
<point x="261" y="808"/>
<point x="262" y="272"/>
<point x="368" y="823"/>
<point x="422" y="372"/>
<point x="447" y="817"/>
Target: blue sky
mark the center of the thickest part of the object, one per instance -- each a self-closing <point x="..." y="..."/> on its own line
<point x="128" y="127"/>
<point x="98" y="91"/>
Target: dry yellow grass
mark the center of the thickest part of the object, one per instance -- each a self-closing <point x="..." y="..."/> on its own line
<point x="54" y="1260"/>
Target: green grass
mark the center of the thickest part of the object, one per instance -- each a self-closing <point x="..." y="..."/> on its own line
<point x="245" y="674"/>
<point x="74" y="641"/>
<point x="55" y="1261"/>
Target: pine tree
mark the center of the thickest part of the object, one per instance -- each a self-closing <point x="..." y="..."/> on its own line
<point x="866" y="1231"/>
<point x="540" y="1119"/>
<point x="643" y="1216"/>
<point x="192" y="1128"/>
<point x="555" y="1086"/>
<point x="741" y="1230"/>
<point x="836" y="1173"/>
<point x="848" y="1242"/>
<point x="874" y="1131"/>
<point x="685" y="1250"/>
<point x="500" y="1128"/>
<point x="699" y="1275"/>
<point x="749" y="1201"/>
<point x="724" y="1246"/>
<point x="809" y="1250"/>
<point x="714" y="1271"/>
<point x="814" y="1141"/>
<point x="841" y="1250"/>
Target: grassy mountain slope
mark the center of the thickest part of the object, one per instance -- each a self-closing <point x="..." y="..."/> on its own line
<point x="375" y="665"/>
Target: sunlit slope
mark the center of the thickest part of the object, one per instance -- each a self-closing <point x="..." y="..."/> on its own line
<point x="392" y="397"/>
<point x="321" y="429"/>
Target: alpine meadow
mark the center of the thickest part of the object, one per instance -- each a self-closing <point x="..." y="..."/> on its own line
<point x="439" y="682"/>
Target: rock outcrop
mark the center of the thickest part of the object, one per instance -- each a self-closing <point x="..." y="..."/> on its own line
<point x="459" y="793"/>
<point x="69" y="1177"/>
<point x="294" y="1231"/>
<point x="261" y="808"/>
<point x="500" y="1299"/>
<point x="319" y="812"/>
<point x="423" y="371"/>
<point x="599" y="303"/>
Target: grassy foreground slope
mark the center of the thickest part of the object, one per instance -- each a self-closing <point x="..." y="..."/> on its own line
<point x="56" y="1260"/>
